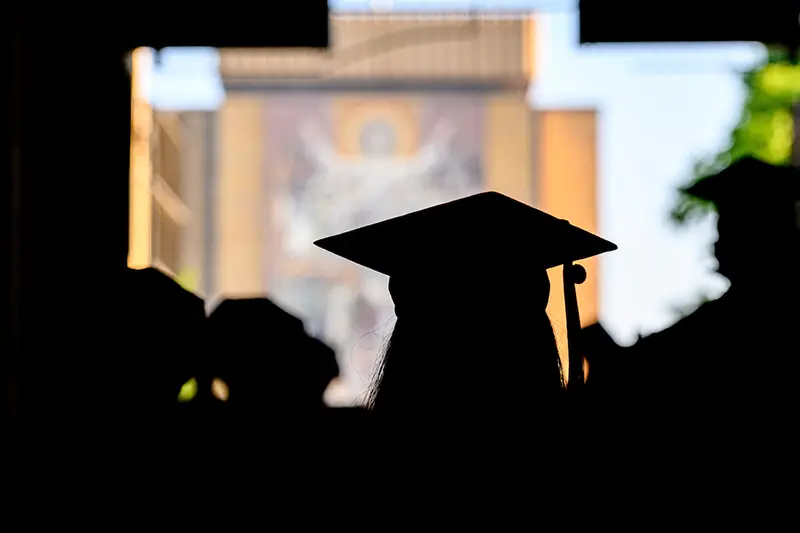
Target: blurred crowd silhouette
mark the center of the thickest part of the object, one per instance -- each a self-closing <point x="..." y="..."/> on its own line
<point x="701" y="409"/>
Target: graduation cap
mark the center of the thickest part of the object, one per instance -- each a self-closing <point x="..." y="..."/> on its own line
<point x="240" y="320"/>
<point x="256" y="314"/>
<point x="469" y="234"/>
<point x="751" y="186"/>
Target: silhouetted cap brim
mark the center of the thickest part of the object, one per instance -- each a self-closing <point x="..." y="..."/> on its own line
<point x="485" y="227"/>
<point x="749" y="180"/>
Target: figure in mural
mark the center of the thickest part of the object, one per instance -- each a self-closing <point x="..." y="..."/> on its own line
<point x="344" y="191"/>
<point x="331" y="192"/>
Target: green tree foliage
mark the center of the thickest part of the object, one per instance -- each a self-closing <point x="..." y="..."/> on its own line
<point x="765" y="129"/>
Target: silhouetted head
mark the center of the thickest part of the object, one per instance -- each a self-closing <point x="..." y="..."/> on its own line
<point x="470" y="287"/>
<point x="757" y="204"/>
<point x="164" y="327"/>
<point x="266" y="357"/>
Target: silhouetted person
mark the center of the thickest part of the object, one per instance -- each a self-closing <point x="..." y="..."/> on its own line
<point x="276" y="375"/>
<point x="271" y="365"/>
<point x="758" y="237"/>
<point x="606" y="373"/>
<point x="118" y="395"/>
<point x="610" y="453"/>
<point x="472" y="363"/>
<point x="169" y="327"/>
<point x="717" y="387"/>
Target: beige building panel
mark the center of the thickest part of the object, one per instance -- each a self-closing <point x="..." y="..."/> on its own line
<point x="432" y="47"/>
<point x="508" y="157"/>
<point x="567" y="155"/>
<point x="240" y="204"/>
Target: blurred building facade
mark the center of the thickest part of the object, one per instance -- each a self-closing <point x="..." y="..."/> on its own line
<point x="178" y="181"/>
<point x="182" y="175"/>
<point x="405" y="111"/>
<point x="171" y="172"/>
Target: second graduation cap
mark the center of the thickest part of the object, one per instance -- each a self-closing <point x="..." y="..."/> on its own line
<point x="485" y="229"/>
<point x="751" y="184"/>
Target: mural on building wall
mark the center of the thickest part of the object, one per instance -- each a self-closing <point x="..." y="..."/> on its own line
<point x="318" y="190"/>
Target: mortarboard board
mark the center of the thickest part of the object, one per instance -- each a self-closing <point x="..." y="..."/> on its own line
<point x="472" y="232"/>
<point x="750" y="183"/>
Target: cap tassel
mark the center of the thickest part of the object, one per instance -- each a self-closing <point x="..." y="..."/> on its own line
<point x="573" y="275"/>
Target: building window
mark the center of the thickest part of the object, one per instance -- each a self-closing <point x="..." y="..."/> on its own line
<point x="168" y="160"/>
<point x="166" y="240"/>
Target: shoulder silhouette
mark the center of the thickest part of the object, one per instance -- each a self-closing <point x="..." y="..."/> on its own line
<point x="270" y="363"/>
<point x="473" y="346"/>
<point x="724" y="369"/>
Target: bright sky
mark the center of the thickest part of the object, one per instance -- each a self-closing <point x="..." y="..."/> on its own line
<point x="660" y="107"/>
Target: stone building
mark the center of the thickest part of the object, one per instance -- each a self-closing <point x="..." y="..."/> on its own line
<point x="404" y="111"/>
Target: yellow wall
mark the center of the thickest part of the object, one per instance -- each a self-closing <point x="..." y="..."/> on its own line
<point x="529" y="35"/>
<point x="141" y="199"/>
<point x="508" y="158"/>
<point x="240" y="202"/>
<point x="567" y="156"/>
<point x="547" y="159"/>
